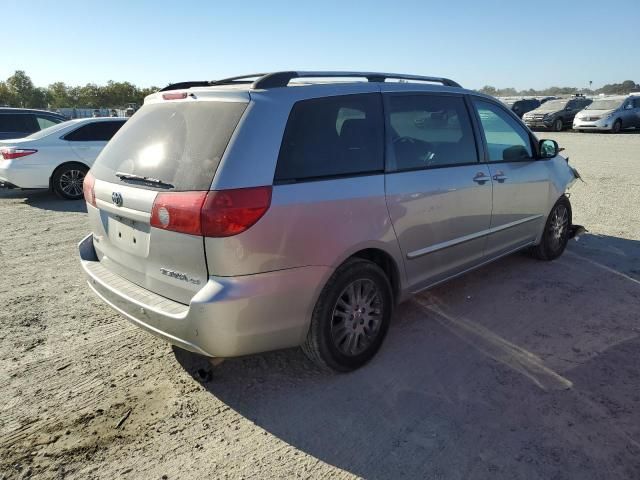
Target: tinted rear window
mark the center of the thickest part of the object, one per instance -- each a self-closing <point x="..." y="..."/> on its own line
<point x="333" y="136"/>
<point x="18" y="122"/>
<point x="180" y="143"/>
<point x="95" y="132"/>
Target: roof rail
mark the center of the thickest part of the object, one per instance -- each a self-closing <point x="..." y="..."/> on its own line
<point x="282" y="79"/>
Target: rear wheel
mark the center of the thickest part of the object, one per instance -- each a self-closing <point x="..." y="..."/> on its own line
<point x="351" y="317"/>
<point x="617" y="126"/>
<point x="556" y="232"/>
<point x="67" y="180"/>
<point x="558" y="125"/>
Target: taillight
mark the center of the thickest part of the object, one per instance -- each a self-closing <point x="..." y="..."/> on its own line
<point x="220" y="213"/>
<point x="88" y="188"/>
<point x="10" y="153"/>
<point x="230" y="212"/>
<point x="178" y="212"/>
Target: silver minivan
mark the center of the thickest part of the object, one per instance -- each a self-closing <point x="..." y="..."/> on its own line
<point x="298" y="208"/>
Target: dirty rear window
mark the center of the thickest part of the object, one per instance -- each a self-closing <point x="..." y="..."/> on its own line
<point x="180" y="143"/>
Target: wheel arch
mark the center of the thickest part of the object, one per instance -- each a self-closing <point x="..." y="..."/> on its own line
<point x="386" y="262"/>
<point x="70" y="162"/>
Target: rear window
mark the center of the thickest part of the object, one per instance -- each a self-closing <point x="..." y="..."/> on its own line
<point x="18" y="122"/>
<point x="180" y="143"/>
<point x="95" y="132"/>
<point x="333" y="136"/>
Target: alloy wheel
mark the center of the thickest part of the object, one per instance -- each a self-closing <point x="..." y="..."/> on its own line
<point x="71" y="182"/>
<point x="357" y="317"/>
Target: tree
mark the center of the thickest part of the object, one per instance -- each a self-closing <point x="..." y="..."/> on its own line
<point x="6" y="96"/>
<point x="488" y="90"/>
<point x="58" y="95"/>
<point x="21" y="87"/>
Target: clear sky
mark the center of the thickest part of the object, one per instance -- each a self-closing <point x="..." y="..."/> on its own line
<point x="514" y="43"/>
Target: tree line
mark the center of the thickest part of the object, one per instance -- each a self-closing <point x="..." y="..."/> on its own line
<point x="19" y="91"/>
<point x="623" y="88"/>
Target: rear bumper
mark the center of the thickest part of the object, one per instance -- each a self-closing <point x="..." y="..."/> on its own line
<point x="22" y="174"/>
<point x="228" y="317"/>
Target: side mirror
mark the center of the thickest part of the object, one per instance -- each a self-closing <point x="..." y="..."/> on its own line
<point x="548" y="148"/>
<point x="628" y="106"/>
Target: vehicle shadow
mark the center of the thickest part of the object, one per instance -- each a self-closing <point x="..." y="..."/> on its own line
<point x="44" y="200"/>
<point x="521" y="369"/>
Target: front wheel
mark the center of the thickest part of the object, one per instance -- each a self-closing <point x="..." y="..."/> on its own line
<point x="556" y="232"/>
<point x="617" y="126"/>
<point x="351" y="317"/>
<point x="67" y="181"/>
<point x="558" y="125"/>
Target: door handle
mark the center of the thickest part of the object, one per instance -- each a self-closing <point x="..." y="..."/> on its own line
<point x="499" y="176"/>
<point x="481" y="178"/>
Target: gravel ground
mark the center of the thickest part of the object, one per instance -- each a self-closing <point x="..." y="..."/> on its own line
<point x="522" y="369"/>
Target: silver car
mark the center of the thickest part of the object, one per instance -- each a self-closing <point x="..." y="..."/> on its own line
<point x="272" y="211"/>
<point x="612" y="114"/>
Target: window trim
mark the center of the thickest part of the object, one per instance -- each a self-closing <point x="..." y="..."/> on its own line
<point x="388" y="141"/>
<point x="336" y="176"/>
<point x="534" y="144"/>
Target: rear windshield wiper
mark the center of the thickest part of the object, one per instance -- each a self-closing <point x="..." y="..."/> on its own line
<point x="139" y="178"/>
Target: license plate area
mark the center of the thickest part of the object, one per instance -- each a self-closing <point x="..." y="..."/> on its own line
<point x="128" y="235"/>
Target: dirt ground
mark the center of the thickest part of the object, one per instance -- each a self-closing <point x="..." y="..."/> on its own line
<point x="521" y="370"/>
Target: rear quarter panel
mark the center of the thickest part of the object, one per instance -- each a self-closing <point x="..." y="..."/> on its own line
<point x="317" y="223"/>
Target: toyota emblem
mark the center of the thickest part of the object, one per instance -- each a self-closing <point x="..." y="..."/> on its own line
<point x="116" y="198"/>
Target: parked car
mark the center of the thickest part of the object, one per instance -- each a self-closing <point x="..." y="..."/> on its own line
<point x="246" y="215"/>
<point x="556" y="114"/>
<point x="611" y="114"/>
<point x="20" y="122"/>
<point x="520" y="107"/>
<point x="57" y="157"/>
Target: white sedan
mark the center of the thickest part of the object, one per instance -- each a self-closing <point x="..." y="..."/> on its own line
<point x="57" y="157"/>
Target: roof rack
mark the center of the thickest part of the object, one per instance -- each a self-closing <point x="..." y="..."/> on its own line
<point x="239" y="80"/>
<point x="282" y="79"/>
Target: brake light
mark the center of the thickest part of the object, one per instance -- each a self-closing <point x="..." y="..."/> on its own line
<point x="220" y="213"/>
<point x="11" y="153"/>
<point x="88" y="188"/>
<point x="178" y="212"/>
<point x="174" y="96"/>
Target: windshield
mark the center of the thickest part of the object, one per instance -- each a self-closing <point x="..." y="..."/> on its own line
<point x="179" y="143"/>
<point x="553" y="106"/>
<point x="605" y="104"/>
<point x="48" y="131"/>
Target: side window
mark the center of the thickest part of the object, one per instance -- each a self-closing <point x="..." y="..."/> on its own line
<point x="18" y="123"/>
<point x="506" y="139"/>
<point x="429" y="131"/>
<point x="46" y="122"/>
<point x="332" y="136"/>
<point x="636" y="102"/>
<point x="95" y="132"/>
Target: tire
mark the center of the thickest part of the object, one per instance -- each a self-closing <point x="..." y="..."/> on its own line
<point x="558" y="125"/>
<point x="617" y="126"/>
<point x="67" y="180"/>
<point x="337" y="339"/>
<point x="556" y="232"/>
